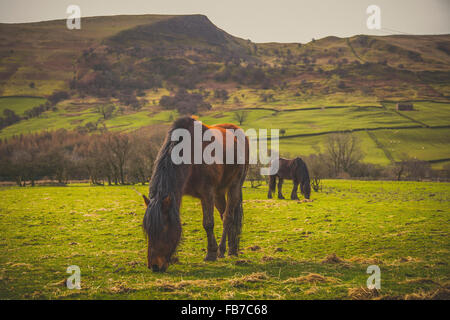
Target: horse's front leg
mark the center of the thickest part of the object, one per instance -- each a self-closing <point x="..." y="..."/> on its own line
<point x="272" y="185"/>
<point x="208" y="224"/>
<point x="294" y="195"/>
<point x="280" y="185"/>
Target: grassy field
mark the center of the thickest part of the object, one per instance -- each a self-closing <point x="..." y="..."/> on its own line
<point x="403" y="227"/>
<point x="19" y="104"/>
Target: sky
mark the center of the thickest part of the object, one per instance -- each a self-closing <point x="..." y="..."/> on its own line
<point x="260" y="20"/>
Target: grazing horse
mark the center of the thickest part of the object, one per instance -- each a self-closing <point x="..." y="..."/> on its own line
<point x="292" y="169"/>
<point x="218" y="184"/>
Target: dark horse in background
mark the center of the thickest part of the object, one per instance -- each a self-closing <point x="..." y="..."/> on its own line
<point x="291" y="169"/>
<point x="216" y="185"/>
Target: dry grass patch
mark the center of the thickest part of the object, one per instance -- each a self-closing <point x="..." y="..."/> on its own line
<point x="20" y="265"/>
<point x="442" y="293"/>
<point x="313" y="290"/>
<point x="61" y="283"/>
<point x="419" y="281"/>
<point x="250" y="278"/>
<point x="242" y="262"/>
<point x="311" y="278"/>
<point x="267" y="258"/>
<point x="334" y="259"/>
<point x="362" y="293"/>
<point x="165" y="285"/>
<point x="121" y="288"/>
<point x="408" y="259"/>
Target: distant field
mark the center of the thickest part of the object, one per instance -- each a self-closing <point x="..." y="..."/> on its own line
<point x="425" y="144"/>
<point x="19" y="104"/>
<point x="318" y="120"/>
<point x="309" y="145"/>
<point x="429" y="113"/>
<point x="403" y="227"/>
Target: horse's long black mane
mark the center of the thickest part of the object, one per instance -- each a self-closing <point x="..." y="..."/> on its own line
<point x="302" y="173"/>
<point x="301" y="170"/>
<point x="167" y="181"/>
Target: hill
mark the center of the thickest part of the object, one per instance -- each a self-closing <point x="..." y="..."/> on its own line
<point x="309" y="90"/>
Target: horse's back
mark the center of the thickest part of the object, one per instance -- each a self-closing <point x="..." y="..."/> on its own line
<point x="220" y="176"/>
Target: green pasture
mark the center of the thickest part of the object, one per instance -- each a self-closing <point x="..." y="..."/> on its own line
<point x="424" y="144"/>
<point x="287" y="246"/>
<point x="19" y="104"/>
<point x="429" y="113"/>
<point x="317" y="120"/>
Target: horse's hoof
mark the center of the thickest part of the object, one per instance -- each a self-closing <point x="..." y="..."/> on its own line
<point x="281" y="198"/>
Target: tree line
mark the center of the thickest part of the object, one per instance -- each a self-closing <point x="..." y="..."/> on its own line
<point x="103" y="158"/>
<point x="111" y="158"/>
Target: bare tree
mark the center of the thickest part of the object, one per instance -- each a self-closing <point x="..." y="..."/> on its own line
<point x="343" y="151"/>
<point x="318" y="170"/>
<point x="119" y="146"/>
<point x="254" y="175"/>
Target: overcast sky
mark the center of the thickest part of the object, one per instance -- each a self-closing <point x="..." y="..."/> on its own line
<point x="260" y="20"/>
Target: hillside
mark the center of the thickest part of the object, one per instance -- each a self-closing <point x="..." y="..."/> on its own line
<point x="309" y="90"/>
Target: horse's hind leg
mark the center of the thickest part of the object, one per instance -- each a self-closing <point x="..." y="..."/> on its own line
<point x="223" y="241"/>
<point x="234" y="232"/>
<point x="294" y="195"/>
<point x="208" y="224"/>
<point x="280" y="185"/>
<point x="231" y="222"/>
<point x="227" y="221"/>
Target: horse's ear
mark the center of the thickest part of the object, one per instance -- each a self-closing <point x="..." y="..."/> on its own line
<point x="146" y="200"/>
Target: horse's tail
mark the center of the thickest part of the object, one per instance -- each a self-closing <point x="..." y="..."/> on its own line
<point x="301" y="175"/>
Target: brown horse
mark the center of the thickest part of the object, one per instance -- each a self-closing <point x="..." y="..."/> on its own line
<point x="292" y="169"/>
<point x="215" y="184"/>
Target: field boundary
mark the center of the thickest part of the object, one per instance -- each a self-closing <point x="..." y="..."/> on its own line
<point x="39" y="97"/>
<point x="349" y="131"/>
<point x="387" y="153"/>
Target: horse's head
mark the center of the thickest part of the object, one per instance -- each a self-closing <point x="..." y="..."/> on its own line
<point x="306" y="189"/>
<point x="163" y="228"/>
